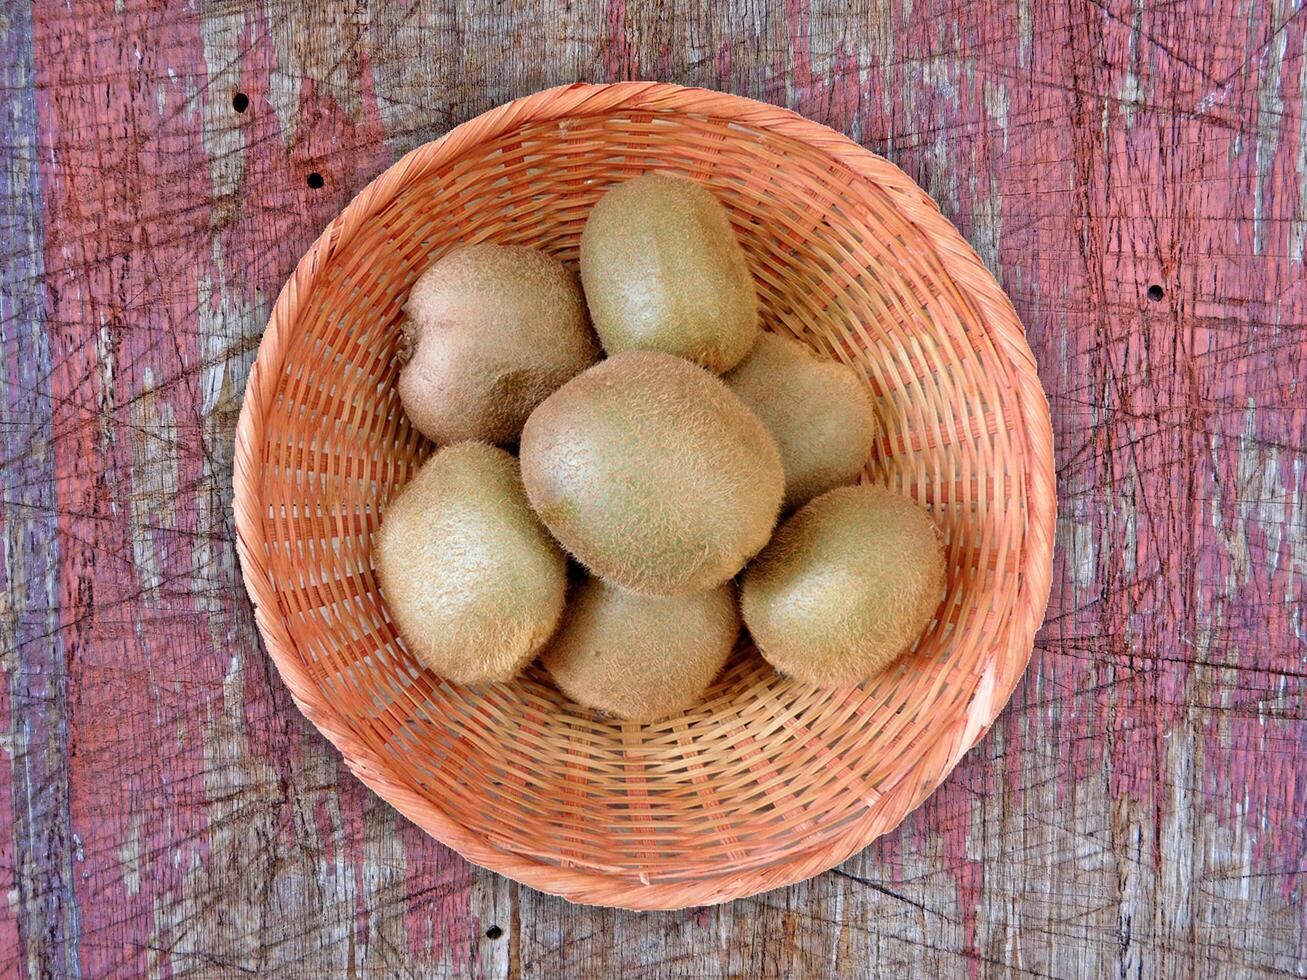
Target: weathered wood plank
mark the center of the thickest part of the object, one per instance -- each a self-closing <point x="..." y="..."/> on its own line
<point x="39" y="923"/>
<point x="1139" y="808"/>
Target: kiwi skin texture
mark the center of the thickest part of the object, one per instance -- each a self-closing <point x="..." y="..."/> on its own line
<point x="472" y="580"/>
<point x="663" y="271"/>
<point x="652" y="474"/>
<point x="490" y="331"/>
<point x="640" y="658"/>
<point x="846" y="586"/>
<point x="816" y="409"/>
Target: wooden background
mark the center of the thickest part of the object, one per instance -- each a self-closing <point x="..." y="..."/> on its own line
<point x="1141" y="807"/>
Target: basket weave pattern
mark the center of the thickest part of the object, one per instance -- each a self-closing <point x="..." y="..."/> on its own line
<point x="768" y="781"/>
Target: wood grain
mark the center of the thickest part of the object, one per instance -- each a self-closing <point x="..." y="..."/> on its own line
<point x="1141" y="807"/>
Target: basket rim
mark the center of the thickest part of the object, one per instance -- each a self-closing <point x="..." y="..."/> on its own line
<point x="959" y="261"/>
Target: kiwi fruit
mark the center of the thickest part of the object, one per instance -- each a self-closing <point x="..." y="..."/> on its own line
<point x="641" y="658"/>
<point x="845" y="587"/>
<point x="652" y="474"/>
<point x="663" y="271"/>
<point x="816" y="409"/>
<point x="489" y="331"/>
<point x="471" y="579"/>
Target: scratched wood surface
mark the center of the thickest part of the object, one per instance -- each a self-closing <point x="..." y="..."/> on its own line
<point x="1136" y="176"/>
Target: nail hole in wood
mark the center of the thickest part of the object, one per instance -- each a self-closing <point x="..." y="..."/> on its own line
<point x="240" y="101"/>
<point x="494" y="932"/>
<point x="1155" y="293"/>
<point x="315" y="180"/>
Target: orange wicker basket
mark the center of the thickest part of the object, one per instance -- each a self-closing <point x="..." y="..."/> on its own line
<point x="768" y="781"/>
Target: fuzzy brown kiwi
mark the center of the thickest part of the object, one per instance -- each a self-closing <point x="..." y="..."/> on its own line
<point x="663" y="271"/>
<point x="816" y="409"/>
<point x="472" y="580"/>
<point x="490" y="331"/>
<point x="641" y="658"/>
<point x="648" y="470"/>
<point x="845" y="587"/>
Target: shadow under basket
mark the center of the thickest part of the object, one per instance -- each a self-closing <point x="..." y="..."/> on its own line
<point x="767" y="781"/>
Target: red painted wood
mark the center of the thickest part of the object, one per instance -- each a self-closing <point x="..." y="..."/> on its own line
<point x="1139" y="808"/>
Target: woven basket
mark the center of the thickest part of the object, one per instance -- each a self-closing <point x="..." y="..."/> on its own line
<point x="768" y="781"/>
